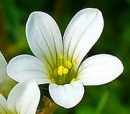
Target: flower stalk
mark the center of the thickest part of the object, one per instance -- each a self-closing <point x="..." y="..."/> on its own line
<point x="49" y="107"/>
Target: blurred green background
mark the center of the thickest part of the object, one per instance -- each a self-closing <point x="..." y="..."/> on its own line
<point x="106" y="99"/>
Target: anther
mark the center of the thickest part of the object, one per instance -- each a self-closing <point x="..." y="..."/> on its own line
<point x="60" y="70"/>
<point x="73" y="80"/>
<point x="61" y="56"/>
<point x="74" y="62"/>
<point x="53" y="81"/>
<point x="65" y="71"/>
<point x="68" y="64"/>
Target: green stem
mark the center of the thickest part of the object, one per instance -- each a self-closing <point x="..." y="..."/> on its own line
<point x="102" y="103"/>
<point x="49" y="107"/>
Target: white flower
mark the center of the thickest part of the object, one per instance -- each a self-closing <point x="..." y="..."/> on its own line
<point x="59" y="62"/>
<point x="23" y="99"/>
<point x="6" y="83"/>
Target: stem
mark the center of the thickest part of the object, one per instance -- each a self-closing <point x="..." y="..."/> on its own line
<point x="102" y="103"/>
<point x="49" y="107"/>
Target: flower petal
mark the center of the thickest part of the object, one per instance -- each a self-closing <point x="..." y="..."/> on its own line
<point x="3" y="65"/>
<point x="24" y="98"/>
<point x="82" y="32"/>
<point x="3" y="106"/>
<point x="67" y="95"/>
<point x="44" y="37"/>
<point x="6" y="83"/>
<point x="100" y="69"/>
<point x="27" y="67"/>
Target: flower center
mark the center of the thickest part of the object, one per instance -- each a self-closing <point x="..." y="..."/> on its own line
<point x="64" y="73"/>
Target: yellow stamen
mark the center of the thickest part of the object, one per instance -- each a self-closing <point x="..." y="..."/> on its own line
<point x="61" y="56"/>
<point x="74" y="62"/>
<point x="73" y="80"/>
<point x="68" y="64"/>
<point x="53" y="81"/>
<point x="61" y="67"/>
<point x="60" y="70"/>
<point x="65" y="71"/>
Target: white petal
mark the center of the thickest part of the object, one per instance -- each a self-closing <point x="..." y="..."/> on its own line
<point x="3" y="65"/>
<point x="24" y="98"/>
<point x="44" y="37"/>
<point x="82" y="32"/>
<point x="67" y="95"/>
<point x="6" y="83"/>
<point x="27" y="67"/>
<point x="3" y="105"/>
<point x="100" y="69"/>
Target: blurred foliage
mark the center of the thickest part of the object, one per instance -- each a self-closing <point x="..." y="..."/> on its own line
<point x="115" y="39"/>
